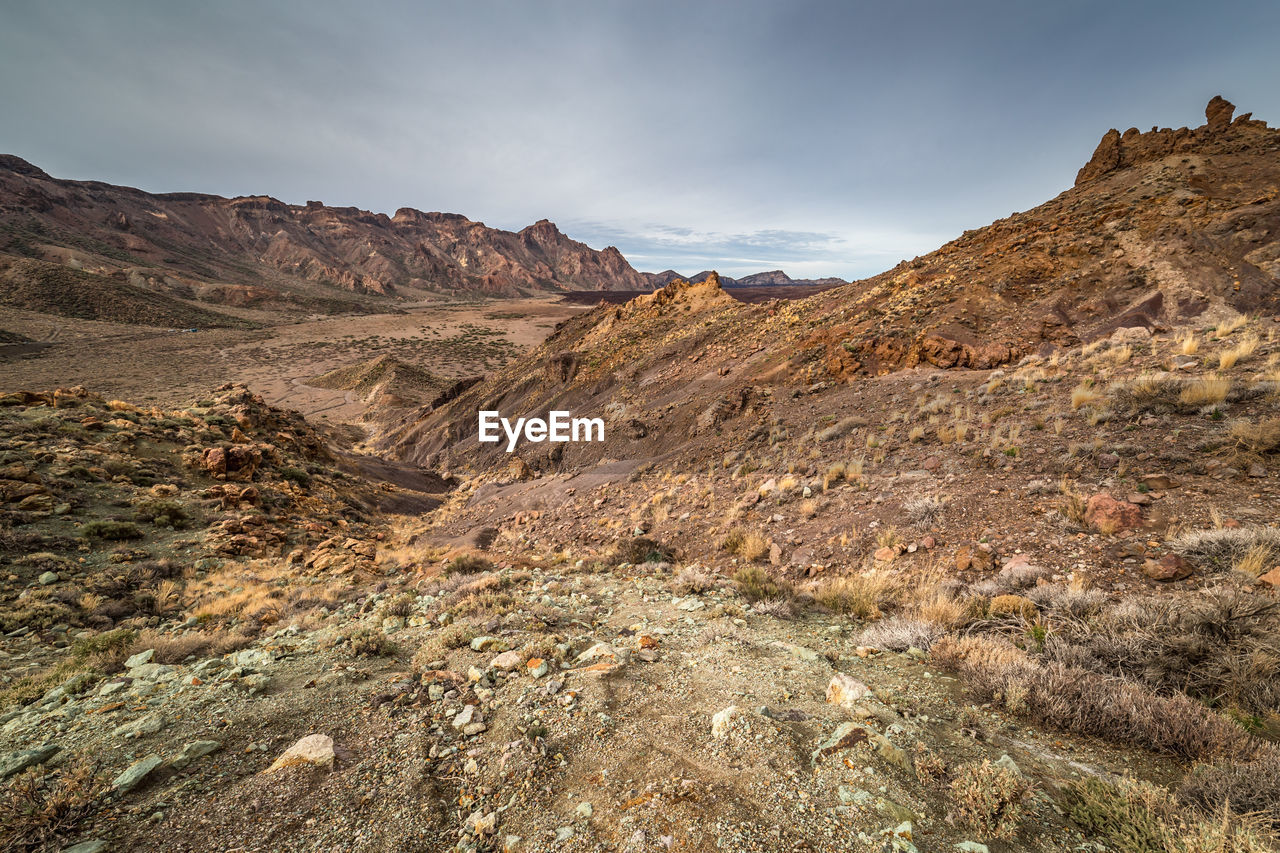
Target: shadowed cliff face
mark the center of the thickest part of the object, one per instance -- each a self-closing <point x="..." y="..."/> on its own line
<point x="1182" y="227"/>
<point x="249" y="250"/>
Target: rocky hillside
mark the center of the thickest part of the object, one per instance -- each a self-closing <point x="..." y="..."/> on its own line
<point x="258" y="251"/>
<point x="1156" y="240"/>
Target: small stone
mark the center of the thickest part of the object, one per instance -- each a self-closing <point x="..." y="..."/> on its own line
<point x="16" y="762"/>
<point x="1007" y="762"/>
<point x="1110" y="515"/>
<point x="585" y="810"/>
<point x="97" y="845"/>
<point x="885" y="554"/>
<point x="141" y="727"/>
<point x="972" y="847"/>
<point x="563" y="834"/>
<point x="488" y="644"/>
<point x="507" y="661"/>
<point x="722" y="721"/>
<point x="469" y="715"/>
<point x="192" y="751"/>
<point x="48" y="578"/>
<point x="1170" y="567"/>
<point x="483" y="824"/>
<point x="140" y="658"/>
<point x="845" y="690"/>
<point x="136" y="773"/>
<point x="537" y="667"/>
<point x="1158" y="482"/>
<point x="316" y="750"/>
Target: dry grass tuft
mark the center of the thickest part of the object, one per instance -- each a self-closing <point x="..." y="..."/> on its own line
<point x="1242" y="351"/>
<point x="857" y="595"/>
<point x="1085" y="395"/>
<point x="745" y="544"/>
<point x="1206" y="391"/>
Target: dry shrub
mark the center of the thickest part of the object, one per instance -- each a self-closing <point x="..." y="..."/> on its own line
<point x="756" y="584"/>
<point x="1003" y="606"/>
<point x="691" y="581"/>
<point x="1084" y="702"/>
<point x="1074" y="505"/>
<point x="1251" y="788"/>
<point x="1223" y="547"/>
<point x="858" y="595"/>
<point x="988" y="798"/>
<point x="467" y="564"/>
<point x="1221" y="646"/>
<point x="488" y="603"/>
<point x="1260" y="438"/>
<point x="440" y="642"/>
<point x="924" y="511"/>
<point x="898" y="634"/>
<point x="776" y="608"/>
<point x="638" y="550"/>
<point x="1242" y="351"/>
<point x="931" y="768"/>
<point x="37" y="810"/>
<point x="1131" y="816"/>
<point x="362" y="641"/>
<point x="176" y="648"/>
<point x="745" y="544"/>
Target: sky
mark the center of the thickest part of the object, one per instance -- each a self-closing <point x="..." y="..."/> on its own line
<point x="822" y="138"/>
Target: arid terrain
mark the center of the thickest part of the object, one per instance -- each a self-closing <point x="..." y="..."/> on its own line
<point x="978" y="554"/>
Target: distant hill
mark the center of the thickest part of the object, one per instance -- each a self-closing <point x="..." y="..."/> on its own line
<point x="772" y="278"/>
<point x="260" y="252"/>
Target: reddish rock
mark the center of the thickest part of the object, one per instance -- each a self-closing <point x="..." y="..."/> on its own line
<point x="1170" y="567"/>
<point x="1271" y="578"/>
<point x="237" y="462"/>
<point x="1219" y="112"/>
<point x="974" y="557"/>
<point x="1110" y="515"/>
<point x="885" y="554"/>
<point x="1158" y="482"/>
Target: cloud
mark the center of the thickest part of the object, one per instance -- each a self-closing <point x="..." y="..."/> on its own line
<point x="654" y="247"/>
<point x="824" y="138"/>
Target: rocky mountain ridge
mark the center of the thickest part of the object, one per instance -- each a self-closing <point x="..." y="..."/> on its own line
<point x="770" y="278"/>
<point x="259" y="251"/>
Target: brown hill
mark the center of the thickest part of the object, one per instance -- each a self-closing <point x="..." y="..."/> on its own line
<point x="258" y="250"/>
<point x="1166" y="233"/>
<point x="50" y="288"/>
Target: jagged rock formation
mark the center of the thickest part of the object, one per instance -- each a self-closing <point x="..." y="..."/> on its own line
<point x="1118" y="151"/>
<point x="258" y="251"/>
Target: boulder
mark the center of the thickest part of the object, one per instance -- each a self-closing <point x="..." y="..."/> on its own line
<point x="845" y="690"/>
<point x="1170" y="567"/>
<point x="1108" y="514"/>
<point x="316" y="750"/>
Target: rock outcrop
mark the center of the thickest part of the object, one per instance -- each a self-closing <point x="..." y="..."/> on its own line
<point x="1118" y="150"/>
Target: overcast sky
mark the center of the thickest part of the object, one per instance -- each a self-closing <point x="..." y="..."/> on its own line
<point x="830" y="138"/>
